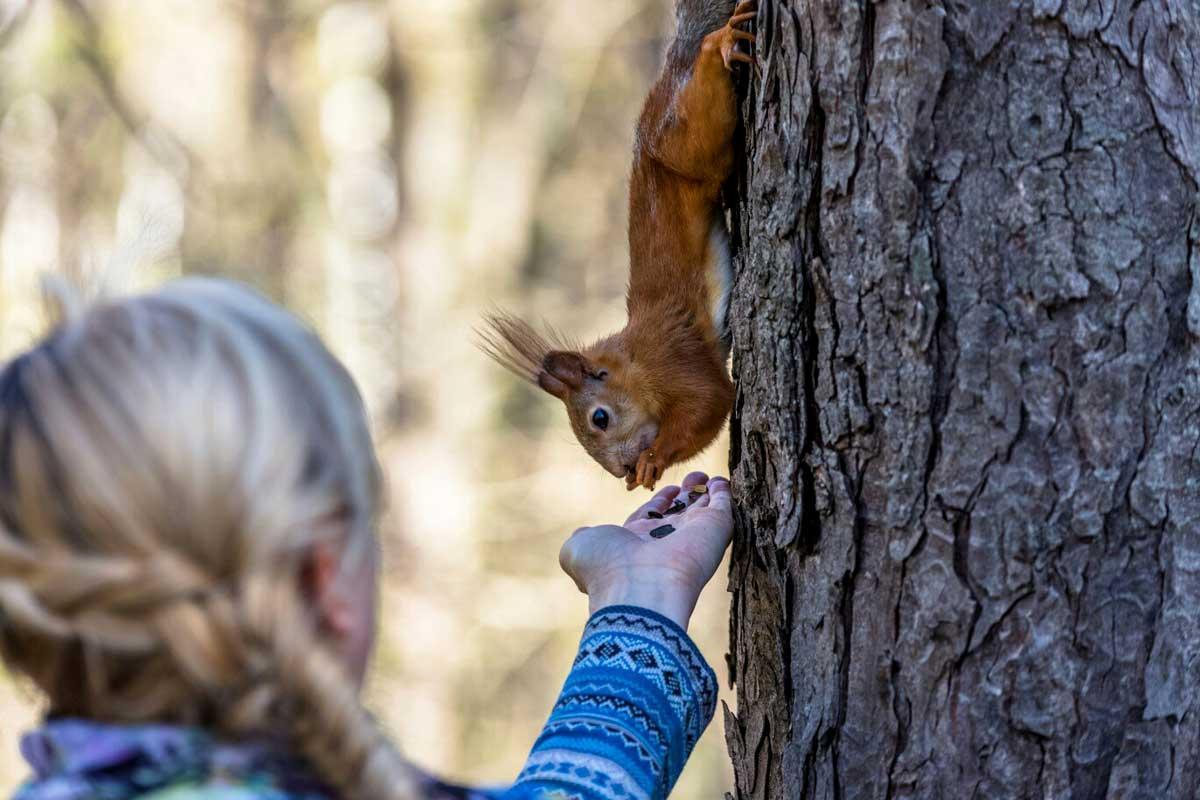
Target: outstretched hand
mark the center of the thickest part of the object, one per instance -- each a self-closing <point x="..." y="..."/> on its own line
<point x="663" y="555"/>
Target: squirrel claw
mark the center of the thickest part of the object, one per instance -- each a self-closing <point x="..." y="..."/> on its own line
<point x="731" y="35"/>
<point x="733" y="56"/>
<point x="650" y="468"/>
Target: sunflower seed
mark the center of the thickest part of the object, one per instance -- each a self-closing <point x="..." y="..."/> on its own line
<point x="676" y="507"/>
<point x="661" y="531"/>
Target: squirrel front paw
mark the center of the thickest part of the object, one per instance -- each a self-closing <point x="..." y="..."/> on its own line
<point x="731" y="34"/>
<point x="650" y="467"/>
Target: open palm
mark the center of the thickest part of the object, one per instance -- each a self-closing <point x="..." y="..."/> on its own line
<point x="662" y="556"/>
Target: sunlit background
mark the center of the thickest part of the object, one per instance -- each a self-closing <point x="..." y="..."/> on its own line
<point x="387" y="170"/>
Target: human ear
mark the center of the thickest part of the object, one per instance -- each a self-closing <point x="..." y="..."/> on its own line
<point x="320" y="586"/>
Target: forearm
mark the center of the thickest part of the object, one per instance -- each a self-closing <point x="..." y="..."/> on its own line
<point x="634" y="705"/>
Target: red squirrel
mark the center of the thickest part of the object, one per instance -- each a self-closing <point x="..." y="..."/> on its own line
<point x="657" y="392"/>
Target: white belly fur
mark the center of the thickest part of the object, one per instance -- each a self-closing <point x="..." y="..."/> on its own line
<point x="720" y="276"/>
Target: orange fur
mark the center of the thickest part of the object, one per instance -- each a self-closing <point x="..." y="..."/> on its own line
<point x="661" y="381"/>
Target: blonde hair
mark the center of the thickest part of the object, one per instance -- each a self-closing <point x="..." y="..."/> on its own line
<point x="167" y="462"/>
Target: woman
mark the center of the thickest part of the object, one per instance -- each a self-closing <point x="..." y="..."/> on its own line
<point x="188" y="494"/>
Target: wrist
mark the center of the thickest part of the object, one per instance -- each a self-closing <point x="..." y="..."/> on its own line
<point x="668" y="596"/>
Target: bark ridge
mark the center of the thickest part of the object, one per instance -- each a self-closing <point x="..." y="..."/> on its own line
<point x="967" y="435"/>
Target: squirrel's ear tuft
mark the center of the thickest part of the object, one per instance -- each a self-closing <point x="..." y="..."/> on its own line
<point x="513" y="344"/>
<point x="516" y="346"/>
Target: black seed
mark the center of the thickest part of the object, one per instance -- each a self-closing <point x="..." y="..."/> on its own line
<point x="654" y="515"/>
<point x="676" y="507"/>
<point x="661" y="531"/>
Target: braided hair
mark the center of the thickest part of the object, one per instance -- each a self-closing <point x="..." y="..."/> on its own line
<point x="167" y="464"/>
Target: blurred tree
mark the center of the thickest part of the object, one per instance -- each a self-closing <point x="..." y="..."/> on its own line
<point x="967" y="439"/>
<point x="387" y="169"/>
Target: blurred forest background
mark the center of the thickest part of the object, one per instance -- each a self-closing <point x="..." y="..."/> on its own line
<point x="387" y="170"/>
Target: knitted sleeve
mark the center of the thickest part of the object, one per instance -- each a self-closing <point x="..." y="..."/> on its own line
<point x="634" y="705"/>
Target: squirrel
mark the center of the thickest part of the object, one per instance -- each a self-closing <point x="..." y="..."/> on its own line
<point x="657" y="392"/>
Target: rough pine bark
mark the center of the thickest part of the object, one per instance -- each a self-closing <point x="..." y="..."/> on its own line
<point x="967" y="435"/>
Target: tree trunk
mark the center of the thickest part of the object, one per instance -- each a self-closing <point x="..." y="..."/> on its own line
<point x="967" y="435"/>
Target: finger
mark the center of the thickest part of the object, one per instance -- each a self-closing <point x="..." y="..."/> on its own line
<point x="720" y="494"/>
<point x="657" y="504"/>
<point x="695" y="491"/>
<point x="678" y="506"/>
<point x="694" y="501"/>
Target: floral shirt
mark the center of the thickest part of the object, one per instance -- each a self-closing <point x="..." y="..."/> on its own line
<point x="636" y="701"/>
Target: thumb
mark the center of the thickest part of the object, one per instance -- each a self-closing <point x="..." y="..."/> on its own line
<point x="568" y="556"/>
<point x="580" y="552"/>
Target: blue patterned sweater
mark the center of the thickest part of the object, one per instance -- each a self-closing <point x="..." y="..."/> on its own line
<point x="633" y="706"/>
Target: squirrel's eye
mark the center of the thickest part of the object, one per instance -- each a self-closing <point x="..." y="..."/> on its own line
<point x="600" y="418"/>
